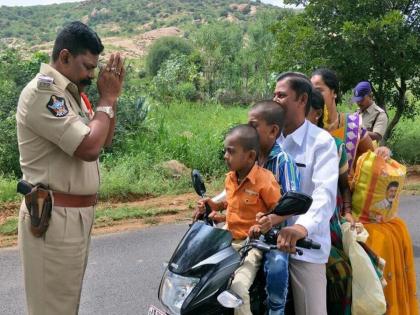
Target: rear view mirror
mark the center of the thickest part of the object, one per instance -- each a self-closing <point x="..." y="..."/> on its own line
<point x="293" y="203"/>
<point x="198" y="183"/>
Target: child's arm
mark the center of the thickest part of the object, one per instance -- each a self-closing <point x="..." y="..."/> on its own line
<point x="267" y="222"/>
<point x="217" y="217"/>
<point x="214" y="206"/>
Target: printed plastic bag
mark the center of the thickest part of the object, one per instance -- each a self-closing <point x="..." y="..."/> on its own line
<point x="376" y="188"/>
<point x="367" y="292"/>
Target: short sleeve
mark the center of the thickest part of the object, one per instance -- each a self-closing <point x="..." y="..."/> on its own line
<point x="270" y="192"/>
<point x="63" y="127"/>
<point x="381" y="124"/>
<point x="289" y="177"/>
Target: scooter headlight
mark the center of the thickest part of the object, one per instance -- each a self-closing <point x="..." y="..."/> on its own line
<point x="175" y="289"/>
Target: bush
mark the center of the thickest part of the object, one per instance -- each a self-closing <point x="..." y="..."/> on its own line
<point x="132" y="112"/>
<point x="162" y="49"/>
<point x="8" y="189"/>
<point x="9" y="152"/>
<point x="15" y="73"/>
<point x="177" y="78"/>
<point x="186" y="91"/>
<point x="404" y="141"/>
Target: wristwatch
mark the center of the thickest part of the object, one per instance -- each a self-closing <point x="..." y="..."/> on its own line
<point x="107" y="110"/>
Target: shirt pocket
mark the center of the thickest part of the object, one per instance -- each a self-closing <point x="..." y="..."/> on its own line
<point x="250" y="205"/>
<point x="250" y="200"/>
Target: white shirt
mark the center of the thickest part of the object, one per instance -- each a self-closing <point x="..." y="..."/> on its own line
<point x="315" y="153"/>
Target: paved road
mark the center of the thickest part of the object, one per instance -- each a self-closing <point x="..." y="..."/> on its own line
<point x="124" y="269"/>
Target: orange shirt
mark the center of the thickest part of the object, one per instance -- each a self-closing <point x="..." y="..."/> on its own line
<point x="258" y="192"/>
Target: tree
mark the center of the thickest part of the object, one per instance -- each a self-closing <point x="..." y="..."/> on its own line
<point x="219" y="45"/>
<point x="362" y="40"/>
<point x="162" y="49"/>
<point x="255" y="55"/>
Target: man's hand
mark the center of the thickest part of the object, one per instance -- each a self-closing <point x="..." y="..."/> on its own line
<point x="288" y="236"/>
<point x="110" y="79"/>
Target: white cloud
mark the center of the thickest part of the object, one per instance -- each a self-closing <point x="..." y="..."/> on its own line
<point x="279" y="3"/>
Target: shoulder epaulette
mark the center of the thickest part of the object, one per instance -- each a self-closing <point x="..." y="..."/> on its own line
<point x="44" y="82"/>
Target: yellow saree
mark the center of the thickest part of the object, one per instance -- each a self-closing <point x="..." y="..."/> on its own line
<point x="392" y="242"/>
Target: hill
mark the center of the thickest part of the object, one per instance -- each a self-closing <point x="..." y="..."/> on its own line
<point x="130" y="24"/>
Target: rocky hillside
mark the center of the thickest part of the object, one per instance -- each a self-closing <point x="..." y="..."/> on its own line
<point x="130" y="24"/>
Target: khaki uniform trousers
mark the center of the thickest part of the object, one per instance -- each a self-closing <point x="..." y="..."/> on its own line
<point x="309" y="285"/>
<point x="54" y="265"/>
<point x="244" y="277"/>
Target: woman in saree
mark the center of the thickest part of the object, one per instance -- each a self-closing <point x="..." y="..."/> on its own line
<point x="390" y="240"/>
<point x="345" y="126"/>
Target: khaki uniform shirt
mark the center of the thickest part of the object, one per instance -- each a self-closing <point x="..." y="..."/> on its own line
<point x="51" y="123"/>
<point x="375" y="119"/>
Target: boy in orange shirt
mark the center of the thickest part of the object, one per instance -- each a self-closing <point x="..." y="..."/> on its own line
<point x="249" y="189"/>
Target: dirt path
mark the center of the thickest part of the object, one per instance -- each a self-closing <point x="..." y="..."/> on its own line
<point x="181" y="205"/>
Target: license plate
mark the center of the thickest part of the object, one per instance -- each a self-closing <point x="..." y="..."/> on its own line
<point x="153" y="310"/>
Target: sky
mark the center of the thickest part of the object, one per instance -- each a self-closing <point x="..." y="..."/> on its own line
<point x="36" y="2"/>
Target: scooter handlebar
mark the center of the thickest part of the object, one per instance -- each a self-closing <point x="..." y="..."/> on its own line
<point x="308" y="243"/>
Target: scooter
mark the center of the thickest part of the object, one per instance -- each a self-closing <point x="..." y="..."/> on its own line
<point x="200" y="271"/>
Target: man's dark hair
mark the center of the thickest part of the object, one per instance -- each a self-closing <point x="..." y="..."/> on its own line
<point x="77" y="38"/>
<point x="299" y="83"/>
<point x="331" y="80"/>
<point x="271" y="112"/>
<point x="393" y="185"/>
<point x="247" y="137"/>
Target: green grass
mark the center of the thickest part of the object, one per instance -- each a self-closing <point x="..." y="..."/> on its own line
<point x="188" y="132"/>
<point x="8" y="190"/>
<point x="9" y="227"/>
<point x="123" y="213"/>
<point x="405" y="141"/>
<point x="415" y="186"/>
<point x="103" y="217"/>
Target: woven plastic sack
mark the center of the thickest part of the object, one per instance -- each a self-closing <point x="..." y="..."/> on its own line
<point x="367" y="292"/>
<point x="376" y="188"/>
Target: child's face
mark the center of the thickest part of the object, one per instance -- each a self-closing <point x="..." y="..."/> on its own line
<point x="266" y="133"/>
<point x="237" y="159"/>
<point x="314" y="115"/>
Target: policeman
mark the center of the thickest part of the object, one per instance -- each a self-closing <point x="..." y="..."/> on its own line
<point x="374" y="118"/>
<point x="60" y="139"/>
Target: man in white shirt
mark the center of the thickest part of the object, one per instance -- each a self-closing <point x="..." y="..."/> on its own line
<point x="315" y="153"/>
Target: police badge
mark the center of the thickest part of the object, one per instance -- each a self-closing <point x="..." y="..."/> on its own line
<point x="57" y="106"/>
